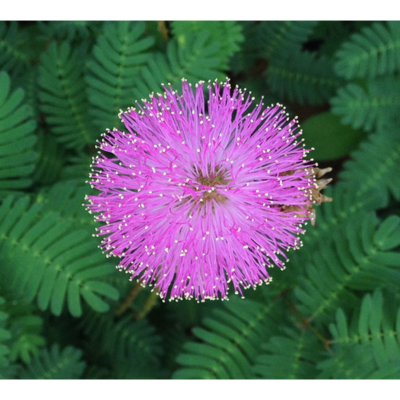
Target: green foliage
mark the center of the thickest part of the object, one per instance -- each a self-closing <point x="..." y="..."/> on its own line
<point x="13" y="56"/>
<point x="331" y="34"/>
<point x="229" y="344"/>
<point x="356" y="363"/>
<point x="17" y="141"/>
<point x="374" y="166"/>
<point x="302" y="77"/>
<point x="357" y="261"/>
<point x="198" y="59"/>
<point x="68" y="30"/>
<point x="28" y="81"/>
<point x="131" y="348"/>
<point x="45" y="260"/>
<point x="5" y="336"/>
<point x="227" y="33"/>
<point x="26" y="330"/>
<point x="117" y="58"/>
<point x="245" y="60"/>
<point x="67" y="198"/>
<point x="49" y="165"/>
<point x="55" y="364"/>
<point x="373" y="52"/>
<point x="331" y="218"/>
<point x="367" y="182"/>
<point x="329" y="137"/>
<point x="367" y="347"/>
<point x="367" y="107"/>
<point x="76" y="168"/>
<point x="282" y="39"/>
<point x="136" y="338"/>
<point x="292" y="356"/>
<point x="63" y="96"/>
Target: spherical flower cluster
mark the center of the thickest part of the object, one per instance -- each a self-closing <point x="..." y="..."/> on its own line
<point x="198" y="196"/>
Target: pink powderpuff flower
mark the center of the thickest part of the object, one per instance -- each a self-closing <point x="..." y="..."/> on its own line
<point x="196" y="197"/>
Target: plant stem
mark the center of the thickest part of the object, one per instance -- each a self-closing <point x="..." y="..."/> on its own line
<point x="127" y="302"/>
<point x="306" y="324"/>
<point x="162" y="28"/>
<point x="150" y="303"/>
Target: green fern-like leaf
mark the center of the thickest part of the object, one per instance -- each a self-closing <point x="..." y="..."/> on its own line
<point x="367" y="108"/>
<point x="229" y="342"/>
<point x="373" y="52"/>
<point x="227" y="33"/>
<point x="5" y="336"/>
<point x="96" y="372"/>
<point x="46" y="260"/>
<point x="346" y="205"/>
<point x="293" y="356"/>
<point x="68" y="30"/>
<point x="13" y="57"/>
<point x="283" y="38"/>
<point x="76" y="168"/>
<point x="356" y="362"/>
<point x="125" y="339"/>
<point x="374" y="166"/>
<point x="50" y="160"/>
<point x="375" y="331"/>
<point x="375" y="325"/>
<point x="28" y="82"/>
<point x="302" y="77"/>
<point x="67" y="198"/>
<point x="245" y="59"/>
<point x="330" y="35"/>
<point x="198" y="60"/>
<point x="26" y="330"/>
<point x="17" y="141"/>
<point x="118" y="56"/>
<point x="63" y="96"/>
<point x="361" y="257"/>
<point x="55" y="364"/>
<point x="29" y="342"/>
<point x="354" y="196"/>
<point x="124" y="368"/>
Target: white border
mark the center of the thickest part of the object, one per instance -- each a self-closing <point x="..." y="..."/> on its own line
<point x="170" y="10"/>
<point x="198" y="389"/>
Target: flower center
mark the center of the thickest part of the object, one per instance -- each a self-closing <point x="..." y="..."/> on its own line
<point x="217" y="177"/>
<point x="207" y="187"/>
<point x="217" y="197"/>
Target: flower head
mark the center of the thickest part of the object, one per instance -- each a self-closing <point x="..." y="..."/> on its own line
<point x="196" y="195"/>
